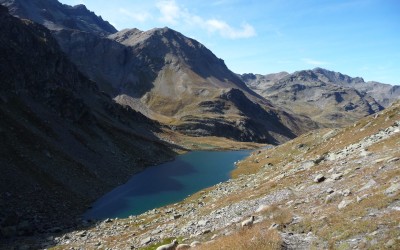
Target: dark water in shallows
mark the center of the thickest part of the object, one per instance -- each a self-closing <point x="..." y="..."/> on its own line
<point x="166" y="183"/>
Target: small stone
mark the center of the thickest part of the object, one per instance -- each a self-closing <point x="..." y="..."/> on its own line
<point x="195" y="244"/>
<point x="391" y="243"/>
<point x="330" y="190"/>
<point x="273" y="226"/>
<point x="393" y="189"/>
<point x="176" y="216"/>
<point x="393" y="160"/>
<point x="319" y="178"/>
<point x="331" y="197"/>
<point x="203" y="223"/>
<point x="337" y="176"/>
<point x="369" y="185"/>
<point x="307" y="165"/>
<point x="146" y="241"/>
<point x="206" y="231"/>
<point x="344" y="203"/>
<point x="82" y="234"/>
<point x="346" y="192"/>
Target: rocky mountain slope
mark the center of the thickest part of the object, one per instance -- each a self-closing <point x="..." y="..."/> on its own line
<point x="169" y="77"/>
<point x="56" y="16"/>
<point x="176" y="80"/>
<point x="193" y="91"/>
<point x="63" y="142"/>
<point x="328" y="97"/>
<point x="384" y="94"/>
<point x="327" y="189"/>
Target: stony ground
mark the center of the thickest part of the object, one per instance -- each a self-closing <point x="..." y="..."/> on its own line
<point x="328" y="189"/>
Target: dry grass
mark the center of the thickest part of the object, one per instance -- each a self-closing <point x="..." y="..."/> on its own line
<point x="277" y="214"/>
<point x="391" y="142"/>
<point x="207" y="142"/>
<point x="256" y="238"/>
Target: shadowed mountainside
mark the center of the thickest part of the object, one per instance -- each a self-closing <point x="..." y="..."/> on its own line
<point x="63" y="142"/>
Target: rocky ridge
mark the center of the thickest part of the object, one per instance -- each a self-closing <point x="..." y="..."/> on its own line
<point x="324" y="189"/>
<point x="329" y="98"/>
<point x="56" y="16"/>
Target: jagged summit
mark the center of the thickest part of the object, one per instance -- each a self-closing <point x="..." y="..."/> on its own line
<point x="55" y="15"/>
<point x="336" y="77"/>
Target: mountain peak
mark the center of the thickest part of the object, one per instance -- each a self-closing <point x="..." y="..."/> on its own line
<point x="336" y="77"/>
<point x="57" y="16"/>
<point x="80" y="7"/>
<point x="165" y="31"/>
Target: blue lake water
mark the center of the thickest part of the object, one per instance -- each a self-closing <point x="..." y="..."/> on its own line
<point x="166" y="183"/>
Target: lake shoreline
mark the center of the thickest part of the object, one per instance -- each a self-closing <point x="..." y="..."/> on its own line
<point x="173" y="183"/>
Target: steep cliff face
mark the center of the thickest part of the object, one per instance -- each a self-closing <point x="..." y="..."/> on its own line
<point x="63" y="142"/>
<point x="329" y="98"/>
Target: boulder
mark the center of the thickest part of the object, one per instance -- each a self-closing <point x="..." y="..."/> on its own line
<point x="319" y="178"/>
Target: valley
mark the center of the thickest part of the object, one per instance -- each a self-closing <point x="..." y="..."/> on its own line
<point x="129" y="139"/>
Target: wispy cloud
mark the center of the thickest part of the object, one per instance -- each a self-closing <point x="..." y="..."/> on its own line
<point x="225" y="30"/>
<point x="314" y="62"/>
<point x="172" y="13"/>
<point x="137" y="16"/>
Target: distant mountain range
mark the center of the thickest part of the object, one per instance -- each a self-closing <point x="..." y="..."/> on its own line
<point x="329" y="98"/>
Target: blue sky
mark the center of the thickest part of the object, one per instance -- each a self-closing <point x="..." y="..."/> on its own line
<point x="355" y="37"/>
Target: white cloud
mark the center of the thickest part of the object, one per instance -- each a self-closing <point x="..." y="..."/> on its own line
<point x="172" y="13"/>
<point x="314" y="62"/>
<point x="225" y="30"/>
<point x="139" y="17"/>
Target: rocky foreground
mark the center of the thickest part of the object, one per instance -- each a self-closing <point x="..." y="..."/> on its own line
<point x="335" y="189"/>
